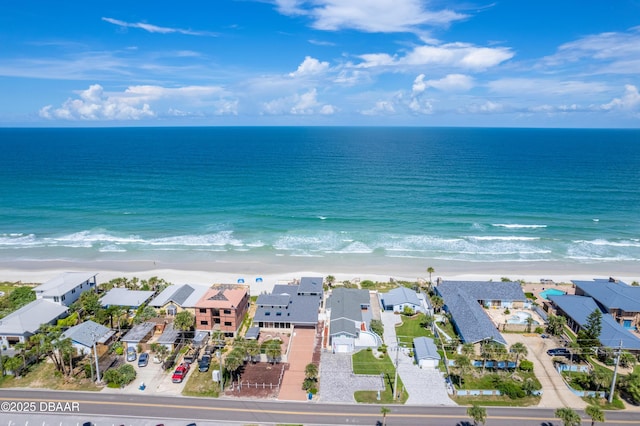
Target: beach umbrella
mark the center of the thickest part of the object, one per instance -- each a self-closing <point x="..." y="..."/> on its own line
<point x="240" y="280"/>
<point x="259" y="279"/>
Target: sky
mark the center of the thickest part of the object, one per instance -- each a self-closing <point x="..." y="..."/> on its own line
<point x="507" y="63"/>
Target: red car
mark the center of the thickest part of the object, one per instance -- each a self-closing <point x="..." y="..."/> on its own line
<point x="180" y="373"/>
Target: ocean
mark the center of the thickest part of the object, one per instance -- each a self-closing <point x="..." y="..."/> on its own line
<point x="281" y="194"/>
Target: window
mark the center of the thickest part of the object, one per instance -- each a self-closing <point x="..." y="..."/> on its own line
<point x="202" y="310"/>
<point x="266" y="314"/>
<point x="227" y="323"/>
<point x="204" y="322"/>
<point x="56" y="299"/>
<point x="278" y="314"/>
<point x="172" y="310"/>
<point x="63" y="297"/>
<point x="73" y="290"/>
<point x="227" y="311"/>
<point x="216" y="320"/>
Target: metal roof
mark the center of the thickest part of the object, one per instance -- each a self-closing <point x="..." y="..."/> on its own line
<point x="400" y="296"/>
<point x="181" y="295"/>
<point x="138" y="332"/>
<point x="30" y="317"/>
<point x="64" y="283"/>
<point x="424" y="348"/>
<point x="580" y="307"/>
<point x="252" y="333"/>
<point x="88" y="331"/>
<point x="125" y="297"/>
<point x="612" y="294"/>
<point x="169" y="335"/>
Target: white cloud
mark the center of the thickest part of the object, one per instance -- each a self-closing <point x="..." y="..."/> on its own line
<point x="133" y="103"/>
<point x="298" y="104"/>
<point x="451" y="82"/>
<point x="457" y="55"/>
<point x="385" y="16"/>
<point x="420" y="107"/>
<point x="155" y="29"/>
<point x="629" y="101"/>
<point x="310" y="66"/>
<point x="381" y="108"/>
<point x="547" y="87"/>
<point x="485" y="108"/>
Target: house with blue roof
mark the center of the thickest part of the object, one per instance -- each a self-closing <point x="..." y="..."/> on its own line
<point x="399" y="298"/>
<point x="349" y="313"/>
<point x="425" y="352"/>
<point x="614" y="297"/>
<point x="466" y="301"/>
<point x="289" y="306"/>
<point x="576" y="309"/>
<point x="87" y="334"/>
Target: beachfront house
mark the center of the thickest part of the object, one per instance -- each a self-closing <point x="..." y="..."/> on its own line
<point x="576" y="309"/>
<point x="222" y="308"/>
<point x="425" y="352"/>
<point x="290" y="305"/>
<point x="400" y="298"/>
<point x="466" y="301"/>
<point x="67" y="287"/>
<point x="130" y="299"/>
<point x="349" y="316"/>
<point x="84" y="335"/>
<point x="177" y="298"/>
<point x="26" y="321"/>
<point x="614" y="297"/>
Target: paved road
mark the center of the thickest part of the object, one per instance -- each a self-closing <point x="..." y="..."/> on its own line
<point x="112" y="409"/>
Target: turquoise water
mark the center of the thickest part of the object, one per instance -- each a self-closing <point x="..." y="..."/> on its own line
<point x="471" y="195"/>
<point x="520" y="318"/>
<point x="551" y="292"/>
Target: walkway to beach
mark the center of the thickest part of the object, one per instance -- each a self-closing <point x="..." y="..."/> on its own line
<point x="425" y="386"/>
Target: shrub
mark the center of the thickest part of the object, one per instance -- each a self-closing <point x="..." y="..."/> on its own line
<point x="511" y="389"/>
<point x="526" y="365"/>
<point x="377" y="327"/>
<point x="367" y="284"/>
<point x="507" y="311"/>
<point x="119" y="377"/>
<point x="539" y="330"/>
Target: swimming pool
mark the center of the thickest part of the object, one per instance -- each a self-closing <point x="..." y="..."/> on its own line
<point x="552" y="292"/>
<point x="520" y="318"/>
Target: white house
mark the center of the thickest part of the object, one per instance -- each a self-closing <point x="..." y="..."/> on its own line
<point x="85" y="334"/>
<point x="67" y="287"/>
<point x="397" y="299"/>
<point x="19" y="325"/>
<point x="425" y="352"/>
<point x="349" y="314"/>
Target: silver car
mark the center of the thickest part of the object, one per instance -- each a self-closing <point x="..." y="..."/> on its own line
<point x="131" y="354"/>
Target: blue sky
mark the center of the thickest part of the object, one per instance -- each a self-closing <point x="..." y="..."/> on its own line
<point x="321" y="62"/>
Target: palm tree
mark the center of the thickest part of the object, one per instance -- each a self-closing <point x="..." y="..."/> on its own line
<point x="568" y="416"/>
<point x="529" y="323"/>
<point x="463" y="364"/>
<point x="437" y="302"/>
<point x="311" y="371"/>
<point x="430" y="270"/>
<point x="518" y="348"/>
<point x="253" y="349"/>
<point x="273" y="350"/>
<point x="384" y="411"/>
<point x="468" y="350"/>
<point x="487" y="351"/>
<point x="234" y="361"/>
<point x="478" y="414"/>
<point x="599" y="378"/>
<point x="21" y="347"/>
<point x="596" y="414"/>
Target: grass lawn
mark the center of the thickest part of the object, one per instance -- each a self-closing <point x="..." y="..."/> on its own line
<point x="617" y="403"/>
<point x="365" y="363"/>
<point x="45" y="376"/>
<point x="497" y="401"/>
<point x="411" y="328"/>
<point x="201" y="384"/>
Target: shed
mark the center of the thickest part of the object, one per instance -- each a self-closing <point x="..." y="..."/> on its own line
<point x="425" y="352"/>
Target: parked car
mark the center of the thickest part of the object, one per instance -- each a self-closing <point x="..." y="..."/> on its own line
<point x="143" y="360"/>
<point x="180" y="373"/>
<point x="558" y="352"/>
<point x="131" y="354"/>
<point x="191" y="356"/>
<point x="204" y="363"/>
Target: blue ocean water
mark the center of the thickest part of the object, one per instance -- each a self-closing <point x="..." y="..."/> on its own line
<point x="459" y="194"/>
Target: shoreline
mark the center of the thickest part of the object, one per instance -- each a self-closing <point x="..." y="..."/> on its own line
<point x="272" y="272"/>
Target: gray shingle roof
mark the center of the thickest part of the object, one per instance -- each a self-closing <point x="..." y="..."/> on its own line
<point x="85" y="333"/>
<point x="301" y="309"/>
<point x="612" y="333"/>
<point x="185" y="295"/>
<point x="400" y="296"/>
<point x="125" y="297"/>
<point x="425" y="348"/>
<point x="461" y="300"/>
<point x="275" y="300"/>
<point x="63" y="283"/>
<point x="30" y="317"/>
<point x="612" y="294"/>
<point x="347" y="303"/>
<point x="343" y="326"/>
<point x="309" y="285"/>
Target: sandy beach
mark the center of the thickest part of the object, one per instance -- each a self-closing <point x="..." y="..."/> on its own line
<point x="288" y="269"/>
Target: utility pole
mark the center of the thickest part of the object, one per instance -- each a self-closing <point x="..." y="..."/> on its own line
<point x="615" y="373"/>
<point x="395" y="380"/>
<point x="95" y="353"/>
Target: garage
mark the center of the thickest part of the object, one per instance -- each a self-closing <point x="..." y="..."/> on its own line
<point x="342" y="344"/>
<point x="425" y="352"/>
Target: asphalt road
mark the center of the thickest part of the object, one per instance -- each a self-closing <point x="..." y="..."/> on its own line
<point x="74" y="408"/>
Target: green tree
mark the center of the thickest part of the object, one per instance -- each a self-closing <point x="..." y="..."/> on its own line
<point x="627" y="360"/>
<point x="184" y="321"/>
<point x="589" y="335"/>
<point x="253" y="349"/>
<point x="88" y="305"/>
<point x="464" y="367"/>
<point x="384" y="411"/>
<point x="596" y="414"/>
<point x="330" y="280"/>
<point x="233" y="361"/>
<point x="529" y="321"/>
<point x="468" y="350"/>
<point x="15" y="300"/>
<point x="57" y="349"/>
<point x="630" y="384"/>
<point x="377" y="327"/>
<point x="568" y="416"/>
<point x="14" y="365"/>
<point x="477" y="414"/>
<point x="273" y="350"/>
<point x="518" y="349"/>
<point x="555" y="324"/>
<point x="311" y="371"/>
<point x="430" y="271"/>
<point x="437" y="302"/>
<point x="599" y="378"/>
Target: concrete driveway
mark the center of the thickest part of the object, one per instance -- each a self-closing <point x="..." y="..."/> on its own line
<point x="555" y="393"/>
